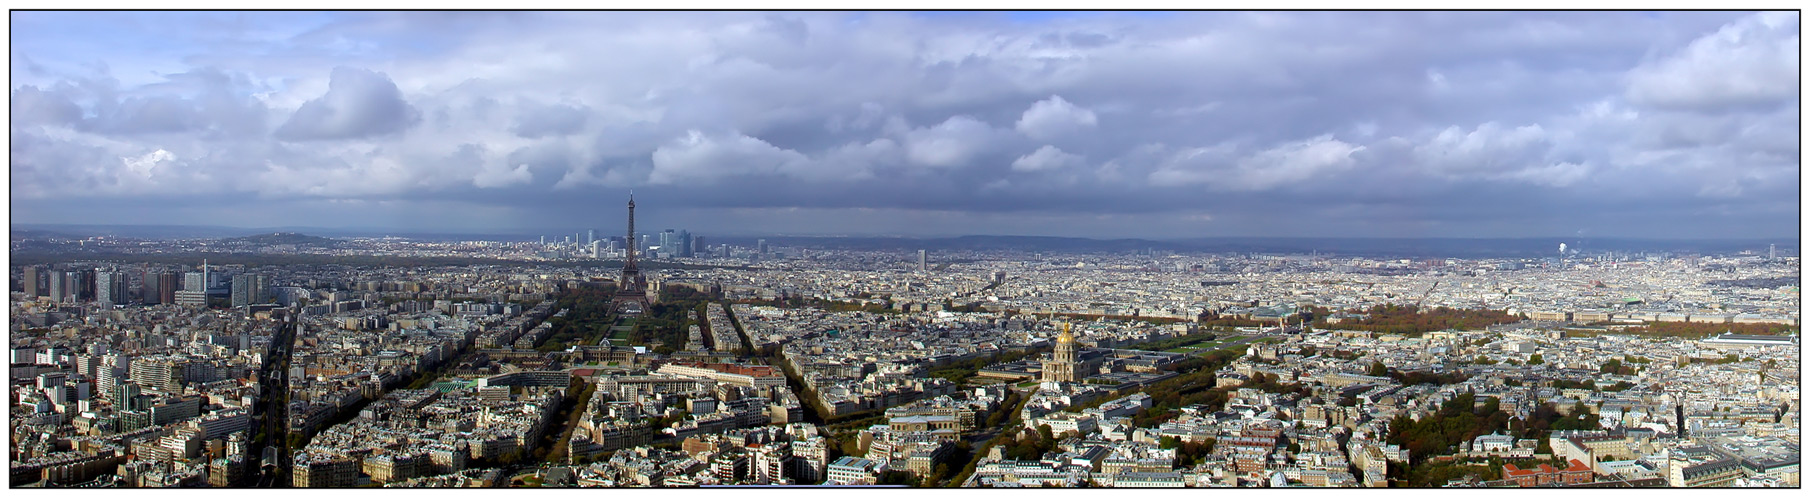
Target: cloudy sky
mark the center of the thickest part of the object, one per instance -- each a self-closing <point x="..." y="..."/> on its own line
<point x="1155" y="125"/>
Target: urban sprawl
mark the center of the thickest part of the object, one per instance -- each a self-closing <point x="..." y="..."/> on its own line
<point x="771" y="365"/>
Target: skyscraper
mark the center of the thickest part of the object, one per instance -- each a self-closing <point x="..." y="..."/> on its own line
<point x="239" y="287"/>
<point x="109" y="287"/>
<point x="630" y="298"/>
<point x="59" y="285"/>
<point x="590" y="236"/>
<point x="1772" y="251"/>
<point x="250" y="289"/>
<point x="147" y="287"/>
<point x="33" y="281"/>
<point x="84" y="284"/>
<point x="760" y="246"/>
<point x="166" y="288"/>
<point x="72" y="286"/>
<point x="923" y="260"/>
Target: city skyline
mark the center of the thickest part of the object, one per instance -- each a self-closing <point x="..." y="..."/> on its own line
<point x="1099" y="125"/>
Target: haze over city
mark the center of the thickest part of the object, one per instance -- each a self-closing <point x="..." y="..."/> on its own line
<point x="904" y="249"/>
<point x="1153" y="125"/>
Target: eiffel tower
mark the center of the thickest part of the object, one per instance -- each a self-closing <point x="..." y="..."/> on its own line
<point x="631" y="294"/>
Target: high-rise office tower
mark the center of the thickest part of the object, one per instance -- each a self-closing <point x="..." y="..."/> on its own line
<point x="760" y="246"/>
<point x="923" y="260"/>
<point x="194" y="281"/>
<point x="590" y="236"/>
<point x="241" y="290"/>
<point x="59" y="285"/>
<point x="109" y="287"/>
<point x="147" y="289"/>
<point x="33" y="279"/>
<point x="697" y="245"/>
<point x="684" y="244"/>
<point x="1772" y="251"/>
<point x="72" y="286"/>
<point x="166" y="288"/>
<point x="85" y="284"/>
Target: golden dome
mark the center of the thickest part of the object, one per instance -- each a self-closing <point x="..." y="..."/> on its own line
<point x="1066" y="337"/>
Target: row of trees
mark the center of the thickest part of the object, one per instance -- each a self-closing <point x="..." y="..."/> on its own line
<point x="1193" y="385"/>
<point x="1273" y="384"/>
<point x="668" y="322"/>
<point x="1378" y="369"/>
<point x="577" y="400"/>
<point x="1694" y="330"/>
<point x="1174" y="342"/>
<point x="1412" y="320"/>
<point x="587" y="318"/>
<point x="961" y="370"/>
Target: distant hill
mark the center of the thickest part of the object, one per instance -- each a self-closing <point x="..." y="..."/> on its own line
<point x="1349" y="246"/>
<point x="284" y="238"/>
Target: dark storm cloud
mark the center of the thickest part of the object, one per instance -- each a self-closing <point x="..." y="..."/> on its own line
<point x="359" y="103"/>
<point x="1183" y="124"/>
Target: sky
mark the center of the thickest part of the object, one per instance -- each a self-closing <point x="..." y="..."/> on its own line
<point x="1101" y="125"/>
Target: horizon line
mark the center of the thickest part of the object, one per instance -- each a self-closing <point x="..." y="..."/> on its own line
<point x="404" y="233"/>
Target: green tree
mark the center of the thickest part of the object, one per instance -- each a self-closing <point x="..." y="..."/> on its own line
<point x="1377" y="369"/>
<point x="1536" y="359"/>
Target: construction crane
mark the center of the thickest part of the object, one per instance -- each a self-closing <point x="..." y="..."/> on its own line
<point x="1423" y="296"/>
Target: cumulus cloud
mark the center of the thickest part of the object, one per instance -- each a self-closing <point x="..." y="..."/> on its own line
<point x="1045" y="158"/>
<point x="1490" y="148"/>
<point x="952" y="143"/>
<point x="146" y="164"/>
<point x="1219" y="167"/>
<point x="359" y="103"/>
<point x="1752" y="62"/>
<point x="1055" y="118"/>
<point x="705" y="158"/>
<point x="1312" y="115"/>
<point x="1295" y="161"/>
